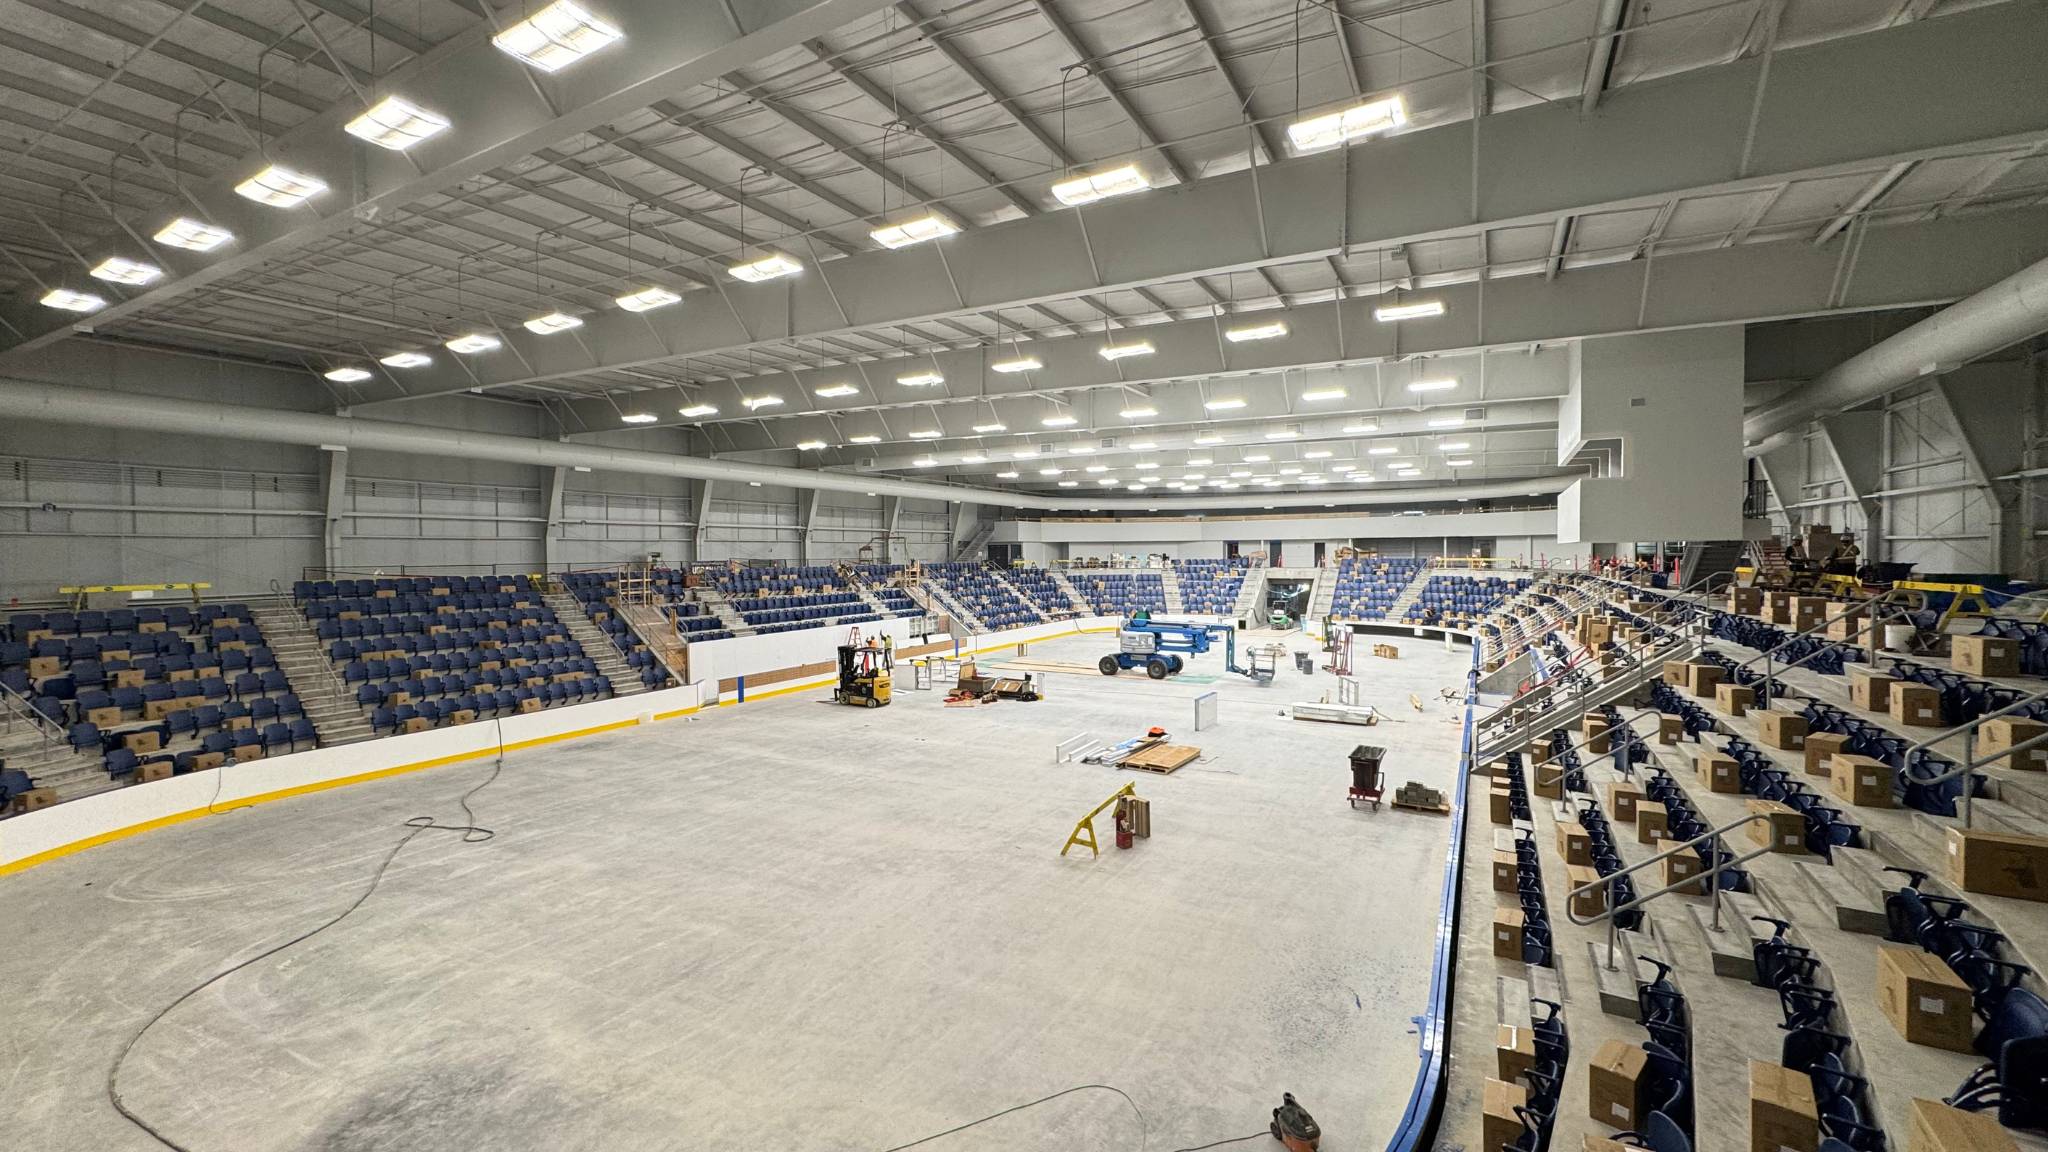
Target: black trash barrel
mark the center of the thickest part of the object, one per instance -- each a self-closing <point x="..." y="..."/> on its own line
<point x="1365" y="766"/>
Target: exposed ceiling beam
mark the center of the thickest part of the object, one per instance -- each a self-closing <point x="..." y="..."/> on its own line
<point x="923" y="130"/>
<point x="499" y="115"/>
<point x="1482" y="86"/>
<point x="766" y="163"/>
<point x="1669" y="144"/>
<point x="1056" y="156"/>
<point x="1601" y="53"/>
<point x="171" y="50"/>
<point x="1265" y="133"/>
<point x="1863" y="200"/>
<point x="1091" y="67"/>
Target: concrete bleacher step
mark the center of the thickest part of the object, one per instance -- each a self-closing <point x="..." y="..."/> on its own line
<point x="1073" y="594"/>
<point x="1170" y="579"/>
<point x="1511" y="998"/>
<point x="1857" y="906"/>
<point x="596" y="645"/>
<point x="1730" y="944"/>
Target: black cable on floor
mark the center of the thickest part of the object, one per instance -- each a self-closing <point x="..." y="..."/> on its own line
<point x="1232" y="1140"/>
<point x="471" y="834"/>
<point x="1142" y="1125"/>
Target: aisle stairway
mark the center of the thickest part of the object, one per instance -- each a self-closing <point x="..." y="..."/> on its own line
<point x="1171" y="579"/>
<point x="50" y="762"/>
<point x="336" y="717"/>
<point x="1323" y="596"/>
<point x="1073" y="594"/>
<point x="715" y="603"/>
<point x="949" y="606"/>
<point x="596" y="645"/>
<point x="1251" y="594"/>
<point x="1398" y="610"/>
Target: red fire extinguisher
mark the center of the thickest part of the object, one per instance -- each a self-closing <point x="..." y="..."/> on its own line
<point x="1123" y="825"/>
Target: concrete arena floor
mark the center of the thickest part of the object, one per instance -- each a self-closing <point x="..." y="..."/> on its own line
<point x="784" y="925"/>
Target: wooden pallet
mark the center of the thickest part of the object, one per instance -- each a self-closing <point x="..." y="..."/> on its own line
<point x="1162" y="758"/>
<point x="1438" y="810"/>
<point x="1387" y="651"/>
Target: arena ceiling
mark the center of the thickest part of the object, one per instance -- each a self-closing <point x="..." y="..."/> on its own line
<point x="1558" y="169"/>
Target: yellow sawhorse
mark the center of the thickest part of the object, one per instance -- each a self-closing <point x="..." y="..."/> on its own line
<point x="1084" y="832"/>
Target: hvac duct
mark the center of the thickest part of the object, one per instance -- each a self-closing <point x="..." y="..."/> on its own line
<point x="99" y="407"/>
<point x="2009" y="311"/>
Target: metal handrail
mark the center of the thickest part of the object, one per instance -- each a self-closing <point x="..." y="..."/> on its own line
<point x="43" y="725"/>
<point x="1969" y="765"/>
<point x="1710" y="876"/>
<point x="1636" y="665"/>
<point x="337" y="689"/>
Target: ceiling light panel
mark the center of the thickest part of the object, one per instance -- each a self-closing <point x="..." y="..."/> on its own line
<point x="921" y="379"/>
<point x="917" y="230"/>
<point x="1126" y="351"/>
<point x="1358" y="122"/>
<point x="552" y="323"/>
<point x="769" y="267"/>
<point x="835" y="391"/>
<point x="280" y="187"/>
<point x="555" y="37"/>
<point x="1269" y="331"/>
<point x="121" y="270"/>
<point x="406" y="360"/>
<point x="696" y="411"/>
<point x="1018" y="364"/>
<point x="66" y="300"/>
<point x="192" y="235"/>
<point x="1417" y="311"/>
<point x="1319" y="395"/>
<point x="1100" y="186"/>
<point x="647" y="299"/>
<point x="473" y="343"/>
<point x="396" y="124"/>
<point x="347" y="375"/>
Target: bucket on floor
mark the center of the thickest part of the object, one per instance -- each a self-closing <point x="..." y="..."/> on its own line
<point x="1898" y="637"/>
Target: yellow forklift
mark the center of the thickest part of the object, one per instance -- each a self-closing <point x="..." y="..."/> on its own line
<point x="863" y="676"/>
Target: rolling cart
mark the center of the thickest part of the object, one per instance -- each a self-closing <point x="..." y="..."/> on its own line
<point x="1366" y="781"/>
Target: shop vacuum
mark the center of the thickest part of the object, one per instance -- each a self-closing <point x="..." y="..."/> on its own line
<point x="1293" y="1127"/>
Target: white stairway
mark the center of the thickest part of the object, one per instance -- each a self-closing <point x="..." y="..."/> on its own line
<point x="1172" y="580"/>
<point x="301" y="656"/>
<point x="596" y="645"/>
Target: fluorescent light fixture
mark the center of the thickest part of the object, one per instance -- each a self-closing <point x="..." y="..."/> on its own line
<point x="1200" y="461"/>
<point x="1100" y="186"/>
<point x="190" y="234"/>
<point x="555" y="37"/>
<point x="1141" y="446"/>
<point x="1448" y="422"/>
<point x="1395" y="312"/>
<point x="1314" y="479"/>
<point x="1241" y="474"/>
<point x="1138" y="413"/>
<point x="1454" y="446"/>
<point x="1462" y="462"/>
<point x="552" y="323"/>
<point x="1020" y="364"/>
<point x="1414" y="512"/>
<point x="1354" y="123"/>
<point x="1343" y="467"/>
<point x="864" y="439"/>
<point x="1070" y="483"/>
<point x="1107" y="482"/>
<point x="926" y="462"/>
<point x="1409" y="473"/>
<point x="986" y="429"/>
<point x="1318" y="454"/>
<point x="1081" y="450"/>
<point x="280" y="187"/>
<point x="1206" y="441"/>
<point x="579" y="468"/>
<point x="1052" y="471"/>
<point x="752" y="403"/>
<point x="1269" y="331"/>
<point x="1146" y="466"/>
<point x="696" y="410"/>
<point x="809" y="445"/>
<point x="70" y="301"/>
<point x="917" y="230"/>
<point x="1318" y="395"/>
<point x="1012" y="475"/>
<point x="639" y="417"/>
<point x="766" y="268"/>
<point x="974" y="458"/>
<point x="921" y="379"/>
<point x="1283" y="434"/>
<point x="1364" y="477"/>
<point x="1060" y="421"/>
<point x="1382" y="450"/>
<point x="1125" y="351"/>
<point x="1230" y="404"/>
<point x="753" y="483"/>
<point x="121" y="270"/>
<point x="1432" y="385"/>
<point x="1256" y="458"/>
<point x="1360" y="429"/>
<point x="406" y="360"/>
<point x="1096" y="468"/>
<point x="835" y="391"/>
<point x="1027" y="452"/>
<point x="926" y="434"/>
<point x="1136" y="487"/>
<point x="395" y="124"/>
<point x="647" y="299"/>
<point x="1194" y="476"/>
<point x="347" y="375"/>
<point x="473" y="343"/>
<point x="1290" y="470"/>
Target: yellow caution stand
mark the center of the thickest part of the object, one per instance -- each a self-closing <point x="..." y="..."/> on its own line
<point x="1084" y="832"/>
